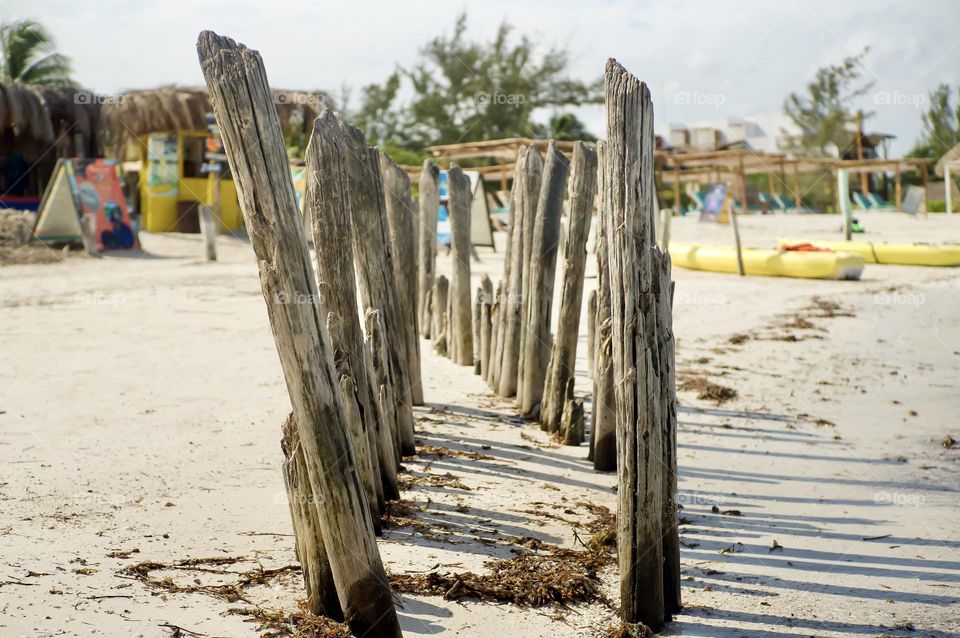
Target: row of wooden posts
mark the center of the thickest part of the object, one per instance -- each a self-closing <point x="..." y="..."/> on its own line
<point x="353" y="377"/>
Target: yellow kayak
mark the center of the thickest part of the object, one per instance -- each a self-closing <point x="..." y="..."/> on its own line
<point x="769" y="263"/>
<point x="883" y="253"/>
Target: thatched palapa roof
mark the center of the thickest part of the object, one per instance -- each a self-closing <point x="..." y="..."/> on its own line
<point x="34" y="118"/>
<point x="137" y="113"/>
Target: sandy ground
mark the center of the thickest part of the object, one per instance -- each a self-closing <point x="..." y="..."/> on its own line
<point x="141" y="400"/>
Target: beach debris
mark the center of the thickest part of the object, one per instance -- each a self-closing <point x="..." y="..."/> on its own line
<point x="708" y="390"/>
<point x="948" y="442"/>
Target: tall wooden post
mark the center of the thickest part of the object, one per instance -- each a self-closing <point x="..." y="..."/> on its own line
<point x="796" y="185"/>
<point x="897" y="189"/>
<point x="664" y="288"/>
<point x="543" y="268"/>
<point x="460" y="331"/>
<point x="325" y="200"/>
<point x="591" y="334"/>
<point x="208" y="228"/>
<point x="427" y="250"/>
<point x="317" y="577"/>
<point x="373" y="258"/>
<point x="563" y="355"/>
<point x="440" y="295"/>
<point x="253" y="140"/>
<point x="603" y="420"/>
<point x="402" y="223"/>
<point x="529" y="222"/>
<point x="633" y="262"/>
<point x="526" y="189"/>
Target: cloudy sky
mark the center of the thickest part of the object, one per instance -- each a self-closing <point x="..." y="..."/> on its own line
<point x="726" y="59"/>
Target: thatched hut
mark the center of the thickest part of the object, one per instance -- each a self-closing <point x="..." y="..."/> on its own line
<point x="38" y="125"/>
<point x="162" y="136"/>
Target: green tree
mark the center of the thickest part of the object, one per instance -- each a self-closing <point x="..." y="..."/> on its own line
<point x="824" y="109"/>
<point x="941" y="125"/>
<point x="565" y="126"/>
<point x="27" y="55"/>
<point x="466" y="90"/>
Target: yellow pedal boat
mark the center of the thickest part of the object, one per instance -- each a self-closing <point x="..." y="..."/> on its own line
<point x="767" y="262"/>
<point x="883" y="253"/>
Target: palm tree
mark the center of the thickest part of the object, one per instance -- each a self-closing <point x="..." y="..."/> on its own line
<point x="27" y="55"/>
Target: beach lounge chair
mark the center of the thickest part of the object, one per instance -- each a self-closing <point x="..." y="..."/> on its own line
<point x="788" y="204"/>
<point x="878" y="203"/>
<point x="860" y="201"/>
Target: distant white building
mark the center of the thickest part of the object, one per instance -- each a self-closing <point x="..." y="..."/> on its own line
<point x="767" y="132"/>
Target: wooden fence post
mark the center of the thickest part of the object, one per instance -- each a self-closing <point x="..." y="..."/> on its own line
<point x="571" y="426"/>
<point x="633" y="264"/>
<point x="668" y="415"/>
<point x="402" y="223"/>
<point x="591" y="331"/>
<point x="374" y="262"/>
<point x="325" y="201"/>
<point x="563" y="355"/>
<point x="440" y="298"/>
<point x="477" y="305"/>
<point x="526" y="189"/>
<point x="88" y="235"/>
<point x="492" y="372"/>
<point x="603" y="441"/>
<point x="317" y="577"/>
<point x="362" y="439"/>
<point x="379" y="365"/>
<point x="543" y="267"/>
<point x="253" y="140"/>
<point x="208" y="228"/>
<point x="529" y="222"/>
<point x="460" y="330"/>
<point x="427" y="250"/>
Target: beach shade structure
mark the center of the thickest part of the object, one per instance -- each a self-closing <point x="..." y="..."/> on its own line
<point x="86" y="188"/>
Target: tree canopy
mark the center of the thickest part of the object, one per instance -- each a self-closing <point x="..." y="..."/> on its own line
<point x="941" y="125"/>
<point x="28" y="56"/>
<point x="463" y="90"/>
<point x="824" y="109"/>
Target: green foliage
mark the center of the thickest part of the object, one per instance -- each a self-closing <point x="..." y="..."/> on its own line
<point x="466" y="90"/>
<point x="941" y="126"/>
<point x="937" y="206"/>
<point x="823" y="110"/>
<point x="27" y="55"/>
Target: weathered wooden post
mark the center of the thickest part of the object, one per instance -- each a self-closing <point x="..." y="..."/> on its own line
<point x="317" y="577"/>
<point x="529" y="221"/>
<point x="591" y="331"/>
<point x="325" y="203"/>
<point x="543" y="267"/>
<point x="253" y="140"/>
<point x="374" y="264"/>
<point x="208" y="228"/>
<point x="563" y="355"/>
<point x="668" y="415"/>
<point x="603" y="420"/>
<point x="492" y="372"/>
<point x="571" y="425"/>
<point x="427" y="250"/>
<point x="634" y="266"/>
<point x="402" y="223"/>
<point x="378" y="363"/>
<point x="526" y="189"/>
<point x="477" y="305"/>
<point x="439" y="303"/>
<point x="88" y="235"/>
<point x="460" y="347"/>
<point x="485" y="337"/>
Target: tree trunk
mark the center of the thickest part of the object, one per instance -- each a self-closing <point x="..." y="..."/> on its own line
<point x="325" y="201"/>
<point x="253" y="140"/>
<point x="563" y="356"/>
<point x="460" y="333"/>
<point x="604" y="417"/>
<point x="633" y="257"/>
<point x="317" y="577"/>
<point x="374" y="262"/>
<point x="441" y="293"/>
<point x="543" y="267"/>
<point x="526" y="190"/>
<point x="402" y="222"/>
<point x="427" y="250"/>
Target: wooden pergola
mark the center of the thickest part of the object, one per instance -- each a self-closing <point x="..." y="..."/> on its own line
<point x="672" y="167"/>
<point x="738" y="163"/>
